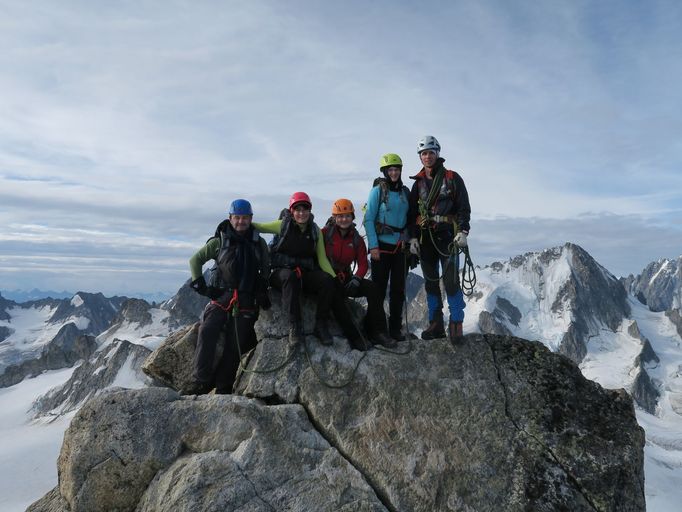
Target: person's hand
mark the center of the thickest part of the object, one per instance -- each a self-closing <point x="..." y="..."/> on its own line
<point x="461" y="239"/>
<point x="199" y="285"/>
<point x="353" y="285"/>
<point x="214" y="293"/>
<point x="375" y="254"/>
<point x="414" y="246"/>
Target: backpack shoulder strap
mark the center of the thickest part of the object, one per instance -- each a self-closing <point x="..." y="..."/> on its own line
<point x="263" y="257"/>
<point x="356" y="237"/>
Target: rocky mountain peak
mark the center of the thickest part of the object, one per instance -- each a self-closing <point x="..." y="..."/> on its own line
<point x="5" y="304"/>
<point x="184" y="307"/>
<point x="563" y="284"/>
<point x="659" y="286"/>
<point x="98" y="309"/>
<point x="134" y="311"/>
<point x="493" y="423"/>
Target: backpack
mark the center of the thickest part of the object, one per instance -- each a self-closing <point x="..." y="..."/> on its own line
<point x="287" y="220"/>
<point x="213" y="276"/>
<point x="278" y="259"/>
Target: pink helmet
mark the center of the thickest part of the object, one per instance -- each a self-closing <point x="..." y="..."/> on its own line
<point x="298" y="198"/>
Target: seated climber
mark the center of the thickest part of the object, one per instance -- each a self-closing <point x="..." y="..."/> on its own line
<point x="299" y="263"/>
<point x="345" y="248"/>
<point x="237" y="286"/>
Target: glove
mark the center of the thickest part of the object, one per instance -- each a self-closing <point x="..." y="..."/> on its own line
<point x="199" y="285"/>
<point x="214" y="293"/>
<point x="353" y="285"/>
<point x="412" y="261"/>
<point x="461" y="239"/>
<point x="414" y="246"/>
<point x="263" y="299"/>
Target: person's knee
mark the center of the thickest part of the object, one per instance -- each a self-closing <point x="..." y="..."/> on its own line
<point x="432" y="287"/>
<point x="368" y="288"/>
<point x="288" y="280"/>
<point x="451" y="284"/>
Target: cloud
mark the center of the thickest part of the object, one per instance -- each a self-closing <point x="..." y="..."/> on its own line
<point x="139" y="123"/>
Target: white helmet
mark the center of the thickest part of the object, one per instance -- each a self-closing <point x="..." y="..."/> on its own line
<point x="428" y="142"/>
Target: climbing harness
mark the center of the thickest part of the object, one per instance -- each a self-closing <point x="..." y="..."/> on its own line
<point x="468" y="280"/>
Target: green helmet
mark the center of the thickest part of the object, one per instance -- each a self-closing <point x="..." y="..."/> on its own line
<point x="390" y="160"/>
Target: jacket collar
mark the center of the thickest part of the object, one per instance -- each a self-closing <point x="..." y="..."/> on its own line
<point x="422" y="174"/>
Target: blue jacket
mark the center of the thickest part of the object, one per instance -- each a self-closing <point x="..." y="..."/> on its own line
<point x="393" y="212"/>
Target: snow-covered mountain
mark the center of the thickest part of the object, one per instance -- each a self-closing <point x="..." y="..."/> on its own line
<point x="565" y="299"/>
<point x="560" y="296"/>
<point x="48" y="334"/>
<point x="659" y="286"/>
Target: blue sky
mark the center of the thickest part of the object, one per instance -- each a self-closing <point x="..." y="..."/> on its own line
<point x="126" y="128"/>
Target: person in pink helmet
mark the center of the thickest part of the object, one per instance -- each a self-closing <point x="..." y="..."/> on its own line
<point x="299" y="264"/>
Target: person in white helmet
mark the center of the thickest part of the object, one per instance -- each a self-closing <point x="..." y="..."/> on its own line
<point x="439" y="216"/>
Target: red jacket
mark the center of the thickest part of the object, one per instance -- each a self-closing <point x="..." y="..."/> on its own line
<point x="342" y="252"/>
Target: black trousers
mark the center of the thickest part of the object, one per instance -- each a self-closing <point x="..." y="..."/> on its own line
<point x="240" y="328"/>
<point x="329" y="297"/>
<point x="291" y="285"/>
<point x="431" y="256"/>
<point x="376" y="318"/>
<point x="391" y="266"/>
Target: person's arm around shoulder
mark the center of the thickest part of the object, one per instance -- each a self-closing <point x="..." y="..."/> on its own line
<point x="321" y="250"/>
<point x="273" y="227"/>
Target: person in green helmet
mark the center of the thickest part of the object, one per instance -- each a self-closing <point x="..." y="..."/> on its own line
<point x="385" y="222"/>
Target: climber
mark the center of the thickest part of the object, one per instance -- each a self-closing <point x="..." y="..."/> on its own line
<point x="439" y="224"/>
<point x="385" y="221"/>
<point x="299" y="263"/>
<point x="237" y="287"/>
<point x="345" y="248"/>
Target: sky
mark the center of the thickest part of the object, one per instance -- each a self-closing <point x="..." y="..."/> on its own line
<point x="126" y="128"/>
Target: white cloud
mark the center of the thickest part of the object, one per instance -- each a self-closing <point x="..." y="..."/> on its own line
<point x="146" y="119"/>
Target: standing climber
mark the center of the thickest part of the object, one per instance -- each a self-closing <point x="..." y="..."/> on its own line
<point x="345" y="249"/>
<point x="237" y="285"/>
<point x="385" y="222"/>
<point x="439" y="224"/>
<point x="300" y="264"/>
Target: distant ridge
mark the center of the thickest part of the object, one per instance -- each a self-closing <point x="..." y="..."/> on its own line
<point x="20" y="296"/>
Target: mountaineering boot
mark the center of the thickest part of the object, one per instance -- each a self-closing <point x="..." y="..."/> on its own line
<point x="436" y="329"/>
<point x="322" y="332"/>
<point x="360" y="344"/>
<point x="196" y="388"/>
<point x="295" y="333"/>
<point x="395" y="329"/>
<point x="455" y="332"/>
<point x="381" y="338"/>
<point x="396" y="333"/>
